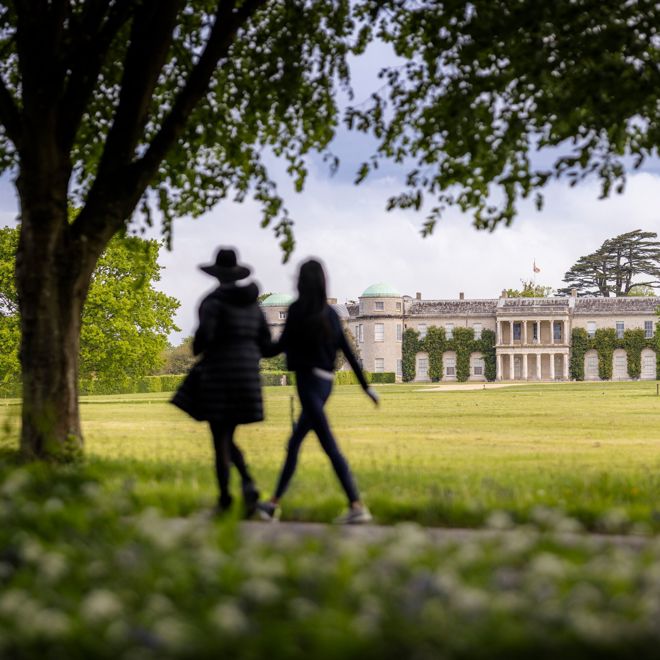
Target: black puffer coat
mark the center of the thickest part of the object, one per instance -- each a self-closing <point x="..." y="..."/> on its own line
<point x="232" y="334"/>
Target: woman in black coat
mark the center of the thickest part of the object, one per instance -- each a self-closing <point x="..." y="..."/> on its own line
<point x="224" y="388"/>
<point x="311" y="338"/>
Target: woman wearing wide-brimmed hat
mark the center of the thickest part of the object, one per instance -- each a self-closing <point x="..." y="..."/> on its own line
<point x="224" y="387"/>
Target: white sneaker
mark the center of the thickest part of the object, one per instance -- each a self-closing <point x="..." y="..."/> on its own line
<point x="354" y="516"/>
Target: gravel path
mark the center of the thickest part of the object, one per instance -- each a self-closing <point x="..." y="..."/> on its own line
<point x="381" y="533"/>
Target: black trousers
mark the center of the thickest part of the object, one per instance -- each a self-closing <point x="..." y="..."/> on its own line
<point x="314" y="392"/>
<point x="226" y="453"/>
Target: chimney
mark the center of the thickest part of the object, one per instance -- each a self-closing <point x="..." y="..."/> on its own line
<point x="573" y="293"/>
<point x="503" y="294"/>
<point x="461" y="296"/>
<point x="418" y="295"/>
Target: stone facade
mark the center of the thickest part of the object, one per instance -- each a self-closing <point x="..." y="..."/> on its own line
<point x="533" y="334"/>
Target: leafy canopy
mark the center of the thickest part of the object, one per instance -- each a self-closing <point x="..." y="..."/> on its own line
<point x="530" y="290"/>
<point x="628" y="264"/>
<point x="125" y="319"/>
<point x="178" y="103"/>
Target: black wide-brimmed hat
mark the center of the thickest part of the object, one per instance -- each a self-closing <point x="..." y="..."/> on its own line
<point x="226" y="268"/>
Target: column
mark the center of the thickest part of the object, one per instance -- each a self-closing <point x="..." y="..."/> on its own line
<point x="499" y="366"/>
<point x="524" y="367"/>
<point x="538" y="365"/>
<point x="499" y="336"/>
<point x="512" y="373"/>
<point x="566" y="374"/>
<point x="552" y="366"/>
<point x="538" y="331"/>
<point x="523" y="334"/>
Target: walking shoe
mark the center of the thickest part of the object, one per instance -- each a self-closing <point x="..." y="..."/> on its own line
<point x="250" y="499"/>
<point x="268" y="511"/>
<point x="354" y="516"/>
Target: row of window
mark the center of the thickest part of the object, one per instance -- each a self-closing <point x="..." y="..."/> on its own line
<point x="379" y="332"/>
<point x="620" y="329"/>
<point x="449" y="330"/>
<point x="379" y="306"/>
<point x="557" y="330"/>
<point x="449" y="367"/>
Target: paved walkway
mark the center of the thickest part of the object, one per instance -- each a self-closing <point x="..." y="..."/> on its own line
<point x="440" y="535"/>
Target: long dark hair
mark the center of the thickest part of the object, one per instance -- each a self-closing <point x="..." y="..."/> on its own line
<point x="312" y="299"/>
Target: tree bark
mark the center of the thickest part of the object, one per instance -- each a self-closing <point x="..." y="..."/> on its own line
<point x="53" y="272"/>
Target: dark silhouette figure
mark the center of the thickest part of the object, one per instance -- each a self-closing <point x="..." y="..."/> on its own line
<point x="311" y="337"/>
<point x="224" y="387"/>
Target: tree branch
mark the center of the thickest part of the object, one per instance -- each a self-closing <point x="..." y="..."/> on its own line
<point x="122" y="185"/>
<point x="220" y="40"/>
<point x="150" y="40"/>
<point x="86" y="60"/>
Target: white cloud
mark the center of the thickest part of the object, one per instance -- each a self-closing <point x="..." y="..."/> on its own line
<point x="360" y="243"/>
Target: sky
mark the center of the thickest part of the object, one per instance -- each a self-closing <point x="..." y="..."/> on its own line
<point x="348" y="228"/>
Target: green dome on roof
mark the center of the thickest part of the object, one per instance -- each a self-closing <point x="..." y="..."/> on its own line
<point x="277" y="300"/>
<point x="381" y="290"/>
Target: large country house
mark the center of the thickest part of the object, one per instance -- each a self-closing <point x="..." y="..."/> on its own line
<point x="524" y="339"/>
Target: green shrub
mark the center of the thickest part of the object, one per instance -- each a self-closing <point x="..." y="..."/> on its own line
<point x="382" y="377"/>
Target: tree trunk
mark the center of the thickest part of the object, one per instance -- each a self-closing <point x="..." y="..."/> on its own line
<point x="52" y="278"/>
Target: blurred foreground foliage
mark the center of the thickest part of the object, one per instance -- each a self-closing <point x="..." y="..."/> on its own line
<point x="87" y="572"/>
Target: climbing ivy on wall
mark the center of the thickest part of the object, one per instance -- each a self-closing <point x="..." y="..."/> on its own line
<point x="410" y="346"/>
<point x="436" y="343"/>
<point x="579" y="347"/>
<point x="605" y="342"/>
<point x="463" y="341"/>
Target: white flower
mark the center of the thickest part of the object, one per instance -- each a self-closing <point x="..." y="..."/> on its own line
<point x="302" y="608"/>
<point x="50" y="624"/>
<point x="101" y="605"/>
<point x="173" y="632"/>
<point x="15" y="482"/>
<point x="52" y="566"/>
<point x="547" y="565"/>
<point x="229" y="618"/>
<point x="260" y="590"/>
<point x="499" y="520"/>
<point x="53" y="504"/>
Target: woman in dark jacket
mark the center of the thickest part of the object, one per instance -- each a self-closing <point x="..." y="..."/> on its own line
<point x="311" y="337"/>
<point x="224" y="388"/>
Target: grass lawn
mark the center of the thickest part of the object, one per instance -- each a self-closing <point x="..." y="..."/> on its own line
<point x="452" y="458"/>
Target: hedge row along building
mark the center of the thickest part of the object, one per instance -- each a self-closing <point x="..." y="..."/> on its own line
<point x="523" y="339"/>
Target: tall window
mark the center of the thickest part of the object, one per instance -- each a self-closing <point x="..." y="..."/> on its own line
<point x="556" y="331"/>
<point x="478" y="369"/>
<point x="591" y="328"/>
<point x="535" y="332"/>
<point x="648" y="329"/>
<point x="361" y="333"/>
<point x="282" y="315"/>
<point x="399" y="367"/>
<point x="517" y="330"/>
<point x="379" y="332"/>
<point x="398" y="307"/>
<point x="449" y="330"/>
<point x="379" y="365"/>
<point x="450" y="366"/>
<point x="356" y="333"/>
<point x="422" y="368"/>
<point x="399" y="332"/>
<point x="619" y="329"/>
<point x="477" y="330"/>
<point x="421" y="328"/>
<point x="380" y="306"/>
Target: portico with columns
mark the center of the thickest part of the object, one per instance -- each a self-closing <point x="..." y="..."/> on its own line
<point x="533" y="338"/>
